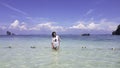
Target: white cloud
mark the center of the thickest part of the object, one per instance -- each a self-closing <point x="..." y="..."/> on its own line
<point x="40" y="26"/>
<point x="23" y="26"/>
<point x="103" y="24"/>
<point x="92" y="25"/>
<point x="107" y="25"/>
<point x="17" y="25"/>
<point x="79" y="26"/>
<point x="82" y="25"/>
<point x="47" y="26"/>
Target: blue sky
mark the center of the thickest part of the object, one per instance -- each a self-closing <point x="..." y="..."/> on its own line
<point x="62" y="16"/>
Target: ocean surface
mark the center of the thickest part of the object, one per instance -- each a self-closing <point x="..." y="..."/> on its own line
<point x="34" y="51"/>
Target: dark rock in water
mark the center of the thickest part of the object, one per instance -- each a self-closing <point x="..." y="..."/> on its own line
<point x="9" y="47"/>
<point x="117" y="31"/>
<point x="85" y="34"/>
<point x="113" y="48"/>
<point x="84" y="47"/>
<point x="33" y="47"/>
<point x="8" y="33"/>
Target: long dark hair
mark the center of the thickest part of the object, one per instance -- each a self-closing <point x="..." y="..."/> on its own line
<point x="53" y="34"/>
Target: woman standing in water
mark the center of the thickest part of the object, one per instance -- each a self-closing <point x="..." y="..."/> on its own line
<point x="55" y="41"/>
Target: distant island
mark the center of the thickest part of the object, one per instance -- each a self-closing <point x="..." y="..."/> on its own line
<point x="86" y="34"/>
<point x="9" y="33"/>
<point x="117" y="31"/>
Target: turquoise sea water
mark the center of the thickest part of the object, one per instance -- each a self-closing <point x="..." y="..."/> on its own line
<point x="102" y="51"/>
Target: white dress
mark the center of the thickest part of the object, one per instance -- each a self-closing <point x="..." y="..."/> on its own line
<point x="55" y="41"/>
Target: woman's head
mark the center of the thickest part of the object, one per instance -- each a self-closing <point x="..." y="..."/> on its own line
<point x="53" y="34"/>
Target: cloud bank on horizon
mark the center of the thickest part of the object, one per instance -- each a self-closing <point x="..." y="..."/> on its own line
<point x="91" y="27"/>
<point x="64" y="16"/>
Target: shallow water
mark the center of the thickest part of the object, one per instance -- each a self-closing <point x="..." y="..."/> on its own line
<point x="72" y="53"/>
